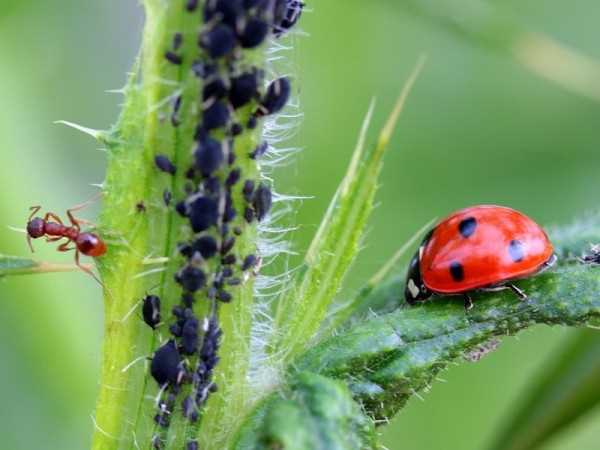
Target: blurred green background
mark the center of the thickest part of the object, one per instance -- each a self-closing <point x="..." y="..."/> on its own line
<point x="477" y="128"/>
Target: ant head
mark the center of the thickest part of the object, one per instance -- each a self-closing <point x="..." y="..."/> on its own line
<point x="90" y="244"/>
<point x="35" y="228"/>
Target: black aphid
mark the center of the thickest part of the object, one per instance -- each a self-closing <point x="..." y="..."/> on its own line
<point x="230" y="212"/>
<point x="175" y="330"/>
<point x="210" y="344"/>
<point x="249" y="262"/>
<point x="164" y="164"/>
<point x="189" y="336"/>
<point x="287" y="13"/>
<point x="178" y="311"/>
<point x="173" y="58"/>
<point x="190" y="409"/>
<point x="248" y="190"/>
<point x="262" y="201"/>
<point x="166" y="364"/>
<point x="206" y="246"/>
<point x="243" y="89"/>
<point x="214" y="89"/>
<point x="259" y="151"/>
<point x="191" y="278"/>
<point x="212" y="186"/>
<point x="227" y="245"/>
<point x="252" y="123"/>
<point x="202" y="69"/>
<point x="229" y="259"/>
<point x="249" y="214"/>
<point x="167" y="196"/>
<point x="253" y="33"/>
<point x="227" y="10"/>
<point x="177" y="41"/>
<point x="208" y="156"/>
<point x="215" y="116"/>
<point x="174" y="115"/>
<point x="277" y="95"/>
<point x="140" y="207"/>
<point x="236" y="129"/>
<point x="191" y="5"/>
<point x="192" y="445"/>
<point x="218" y="41"/>
<point x="182" y="208"/>
<point x="224" y="296"/>
<point x="188" y="299"/>
<point x="231" y="158"/>
<point x="151" y="310"/>
<point x="162" y="420"/>
<point x="234" y="281"/>
<point x="227" y="272"/>
<point x="203" y="213"/>
<point x="249" y="4"/>
<point x="237" y="231"/>
<point x="233" y="177"/>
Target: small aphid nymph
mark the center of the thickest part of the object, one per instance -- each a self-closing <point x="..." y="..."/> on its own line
<point x="164" y="164"/>
<point x="151" y="310"/>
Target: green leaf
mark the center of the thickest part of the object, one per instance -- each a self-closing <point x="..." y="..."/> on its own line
<point x="336" y="243"/>
<point x="563" y="391"/>
<point x="315" y="413"/>
<point x="15" y="265"/>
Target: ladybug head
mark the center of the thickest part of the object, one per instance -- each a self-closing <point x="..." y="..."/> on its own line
<point x="415" y="289"/>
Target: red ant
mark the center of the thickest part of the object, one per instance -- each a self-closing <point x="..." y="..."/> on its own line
<point x="87" y="243"/>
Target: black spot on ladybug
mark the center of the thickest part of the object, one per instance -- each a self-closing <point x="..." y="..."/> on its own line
<point x="516" y="250"/>
<point x="467" y="226"/>
<point x="457" y="271"/>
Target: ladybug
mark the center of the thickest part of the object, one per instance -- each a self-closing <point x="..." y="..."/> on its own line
<point x="483" y="247"/>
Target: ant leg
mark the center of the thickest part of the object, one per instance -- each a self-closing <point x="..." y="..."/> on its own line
<point x="77" y="222"/>
<point x="86" y="270"/>
<point x="34" y="210"/>
<point x="53" y="239"/>
<point x="519" y="292"/>
<point x="64" y="247"/>
<point x="50" y="215"/>
<point x="468" y="302"/>
<point x="70" y="211"/>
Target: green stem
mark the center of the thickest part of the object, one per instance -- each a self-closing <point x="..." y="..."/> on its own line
<point x="125" y="409"/>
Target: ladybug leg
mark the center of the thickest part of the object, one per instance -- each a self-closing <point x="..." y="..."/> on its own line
<point x="519" y="292"/>
<point x="468" y="302"/>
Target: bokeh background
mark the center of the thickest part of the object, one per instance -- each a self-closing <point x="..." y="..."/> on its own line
<point x="478" y="128"/>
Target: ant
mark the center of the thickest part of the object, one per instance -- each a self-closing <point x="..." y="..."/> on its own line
<point x="54" y="230"/>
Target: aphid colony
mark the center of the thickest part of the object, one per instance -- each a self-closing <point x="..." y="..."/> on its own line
<point x="220" y="200"/>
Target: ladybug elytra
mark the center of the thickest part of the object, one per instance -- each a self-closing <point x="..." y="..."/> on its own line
<point x="483" y="247"/>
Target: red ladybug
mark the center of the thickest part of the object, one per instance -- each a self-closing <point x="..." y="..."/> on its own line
<point x="478" y="248"/>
